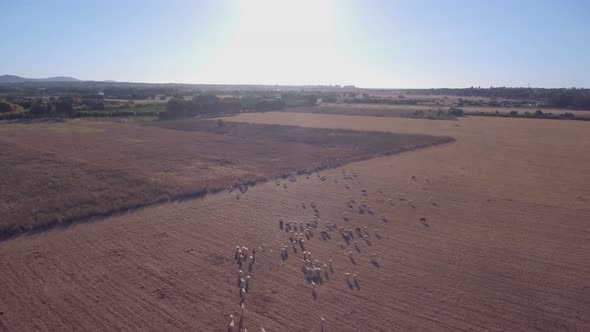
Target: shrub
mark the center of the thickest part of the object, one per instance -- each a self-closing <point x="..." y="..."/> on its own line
<point x="456" y="111"/>
<point x="568" y="115"/>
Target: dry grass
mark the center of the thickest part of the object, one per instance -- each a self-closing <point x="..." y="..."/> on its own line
<point x="56" y="173"/>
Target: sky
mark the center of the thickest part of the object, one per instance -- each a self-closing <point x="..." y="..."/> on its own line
<point x="368" y="43"/>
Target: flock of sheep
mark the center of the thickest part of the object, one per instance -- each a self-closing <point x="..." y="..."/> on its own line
<point x="315" y="271"/>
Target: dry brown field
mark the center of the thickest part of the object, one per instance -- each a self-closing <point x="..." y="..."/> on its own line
<point x="404" y="110"/>
<point x="489" y="233"/>
<point x="55" y="173"/>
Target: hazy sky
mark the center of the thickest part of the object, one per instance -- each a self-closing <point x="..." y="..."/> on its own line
<point x="366" y="43"/>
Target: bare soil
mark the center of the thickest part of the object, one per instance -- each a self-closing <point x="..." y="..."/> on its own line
<point x="489" y="233"/>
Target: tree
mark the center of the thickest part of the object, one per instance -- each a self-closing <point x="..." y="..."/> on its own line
<point x="5" y="107"/>
<point x="38" y="108"/>
<point x="313" y="99"/>
<point x="176" y="105"/>
<point x="64" y="105"/>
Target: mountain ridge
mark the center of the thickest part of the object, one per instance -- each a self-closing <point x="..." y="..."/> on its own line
<point x="18" y="79"/>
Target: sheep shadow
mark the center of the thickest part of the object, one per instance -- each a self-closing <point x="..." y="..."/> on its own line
<point x="314" y="294"/>
<point x="424" y="223"/>
<point x="376" y="264"/>
<point x="352" y="260"/>
<point x="349" y="284"/>
<point x="346" y="239"/>
<point x="356" y="283"/>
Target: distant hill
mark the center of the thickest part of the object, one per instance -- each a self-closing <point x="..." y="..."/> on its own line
<point x="18" y="79"/>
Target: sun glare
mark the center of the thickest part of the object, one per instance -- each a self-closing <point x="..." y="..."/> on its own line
<point x="282" y="42"/>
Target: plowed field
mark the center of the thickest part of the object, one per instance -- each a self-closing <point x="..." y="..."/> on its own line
<point x="488" y="233"/>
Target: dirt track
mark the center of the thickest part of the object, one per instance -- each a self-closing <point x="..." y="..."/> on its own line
<point x="504" y="244"/>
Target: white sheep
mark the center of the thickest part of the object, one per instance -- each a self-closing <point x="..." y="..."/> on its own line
<point x="231" y="324"/>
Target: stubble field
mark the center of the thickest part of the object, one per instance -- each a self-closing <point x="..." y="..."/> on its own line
<point x="55" y="173"/>
<point x="487" y="233"/>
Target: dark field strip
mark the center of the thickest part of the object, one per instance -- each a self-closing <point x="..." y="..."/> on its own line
<point x="58" y="173"/>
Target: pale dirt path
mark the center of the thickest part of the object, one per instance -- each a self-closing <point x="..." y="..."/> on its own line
<point x="505" y="249"/>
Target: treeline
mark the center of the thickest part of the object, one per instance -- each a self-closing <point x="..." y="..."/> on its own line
<point x="13" y="108"/>
<point x="401" y="100"/>
<point x="572" y="98"/>
<point x="38" y="107"/>
<point x="538" y="114"/>
<point x="143" y="91"/>
<point x="211" y="105"/>
<point x="207" y="104"/>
